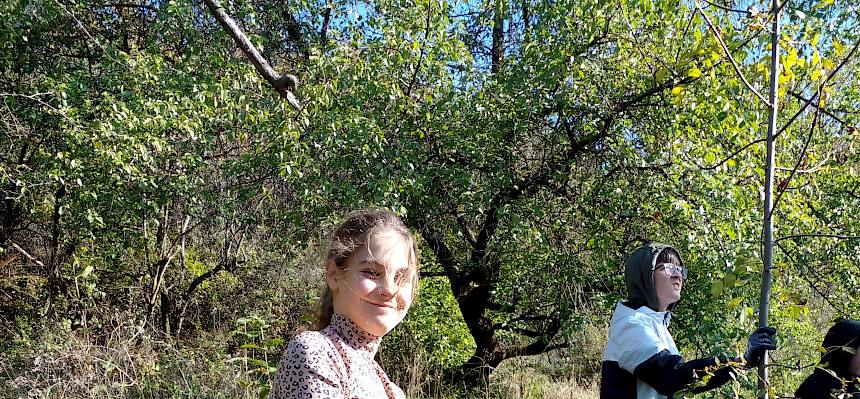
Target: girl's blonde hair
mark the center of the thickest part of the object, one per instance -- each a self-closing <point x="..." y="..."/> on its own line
<point x="354" y="233"/>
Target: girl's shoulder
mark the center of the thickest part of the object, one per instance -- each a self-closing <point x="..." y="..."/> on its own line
<point x="310" y="342"/>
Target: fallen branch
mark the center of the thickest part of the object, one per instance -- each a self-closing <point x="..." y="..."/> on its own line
<point x="27" y="255"/>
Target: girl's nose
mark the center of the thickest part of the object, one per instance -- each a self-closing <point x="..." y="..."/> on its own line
<point x="388" y="286"/>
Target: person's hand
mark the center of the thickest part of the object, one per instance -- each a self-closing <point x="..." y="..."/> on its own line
<point x="763" y="339"/>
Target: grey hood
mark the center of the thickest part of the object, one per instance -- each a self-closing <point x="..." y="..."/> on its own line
<point x="638" y="275"/>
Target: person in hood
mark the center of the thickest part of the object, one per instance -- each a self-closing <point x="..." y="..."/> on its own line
<point x="641" y="359"/>
<point x="836" y="375"/>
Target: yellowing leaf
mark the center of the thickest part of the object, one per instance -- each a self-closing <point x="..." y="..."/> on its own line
<point x="694" y="72"/>
<point x="735" y="302"/>
<point x="816" y="73"/>
<point x="710" y="157"/>
<point x="838" y="47"/>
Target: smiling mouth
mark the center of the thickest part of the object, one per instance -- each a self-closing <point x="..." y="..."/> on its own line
<point x="382" y="305"/>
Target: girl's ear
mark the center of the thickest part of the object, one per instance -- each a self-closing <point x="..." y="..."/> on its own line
<point x="331" y="274"/>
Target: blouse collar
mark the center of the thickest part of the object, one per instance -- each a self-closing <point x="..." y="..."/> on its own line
<point x="353" y="335"/>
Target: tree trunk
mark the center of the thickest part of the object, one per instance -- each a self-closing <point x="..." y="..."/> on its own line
<point x="498" y="38"/>
<point x="324" y="28"/>
<point x="526" y="22"/>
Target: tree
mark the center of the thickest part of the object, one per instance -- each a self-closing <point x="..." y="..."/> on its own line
<point x="532" y="145"/>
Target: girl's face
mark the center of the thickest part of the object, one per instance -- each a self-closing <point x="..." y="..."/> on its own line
<point x="375" y="290"/>
<point x="668" y="288"/>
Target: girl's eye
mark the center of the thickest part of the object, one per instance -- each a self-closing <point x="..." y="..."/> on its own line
<point x="371" y="273"/>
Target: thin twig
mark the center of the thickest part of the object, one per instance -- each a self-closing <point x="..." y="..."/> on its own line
<point x="823" y="84"/>
<point x="733" y="154"/>
<point x="729" y="55"/>
<point x="793" y="118"/>
<point x="820" y="235"/>
<point x="722" y="7"/>
<point x="792" y="367"/>
<point x="130" y="5"/>
<point x="807" y="279"/>
<point x="81" y="27"/>
<point x="796" y="164"/>
<point x="684" y="33"/>
<point x="423" y="49"/>
<point x="818" y="107"/>
<point x="27" y="255"/>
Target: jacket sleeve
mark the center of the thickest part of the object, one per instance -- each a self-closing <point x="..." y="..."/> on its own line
<point x="308" y="370"/>
<point x="668" y="373"/>
<point x="634" y="341"/>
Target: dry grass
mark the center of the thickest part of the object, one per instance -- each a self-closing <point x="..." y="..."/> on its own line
<point x="571" y="373"/>
<point x="130" y="363"/>
<point x="529" y="384"/>
<point x="127" y="363"/>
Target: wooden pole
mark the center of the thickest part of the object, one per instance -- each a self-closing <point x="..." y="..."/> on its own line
<point x="767" y="253"/>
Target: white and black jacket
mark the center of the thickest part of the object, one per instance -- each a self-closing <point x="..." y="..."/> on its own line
<point x="641" y="360"/>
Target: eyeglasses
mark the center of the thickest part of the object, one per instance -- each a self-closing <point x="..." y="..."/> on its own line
<point x="672" y="270"/>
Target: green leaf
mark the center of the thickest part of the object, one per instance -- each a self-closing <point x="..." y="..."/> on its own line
<point x="716" y="288"/>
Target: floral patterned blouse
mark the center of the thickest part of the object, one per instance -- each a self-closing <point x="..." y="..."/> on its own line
<point x="335" y="363"/>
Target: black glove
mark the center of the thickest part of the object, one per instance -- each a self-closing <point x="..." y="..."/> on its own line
<point x="763" y="339"/>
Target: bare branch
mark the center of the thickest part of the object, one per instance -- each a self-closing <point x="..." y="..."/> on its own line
<point x="467" y="231"/>
<point x="837" y="236"/>
<point x="800" y="98"/>
<point x="224" y="265"/>
<point x="729" y="55"/>
<point x="423" y="49"/>
<point x="27" y="255"/>
<point x="443" y="254"/>
<point x="80" y="26"/>
<point x="796" y="164"/>
<point x="130" y="5"/>
<point x="823" y="84"/>
<point x="725" y="8"/>
<point x="809" y="280"/>
<point x="653" y="168"/>
<point x="497" y="50"/>
<point x="284" y="85"/>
